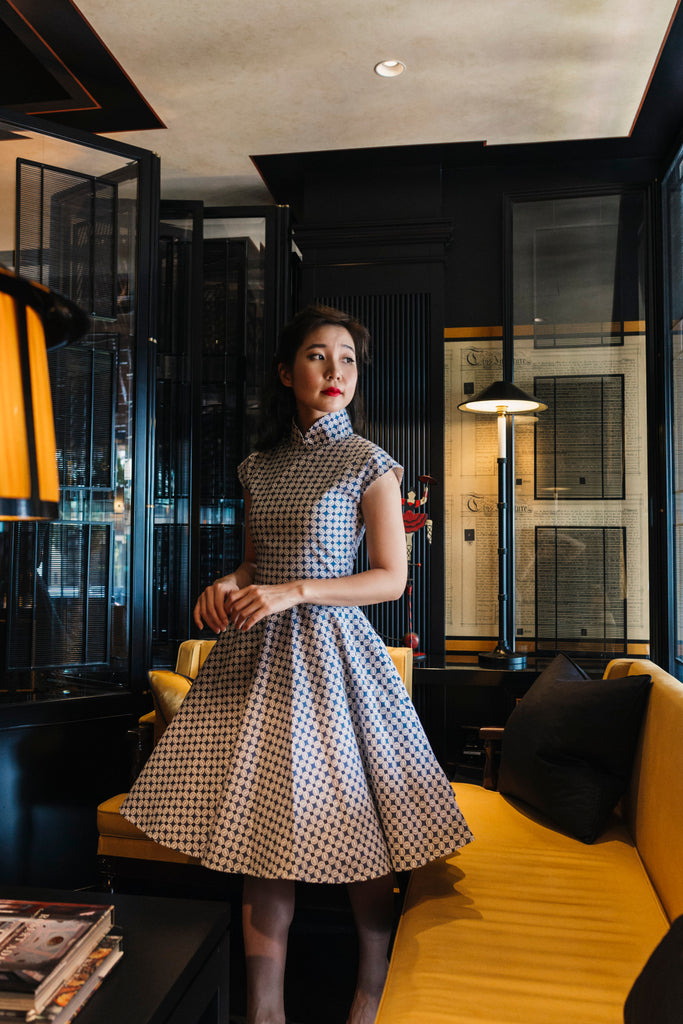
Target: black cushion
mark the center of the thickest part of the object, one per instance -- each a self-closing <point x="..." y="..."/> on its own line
<point x="568" y="746"/>
<point x="657" y="993"/>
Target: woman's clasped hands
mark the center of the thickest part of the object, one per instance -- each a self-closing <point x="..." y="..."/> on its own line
<point x="224" y="601"/>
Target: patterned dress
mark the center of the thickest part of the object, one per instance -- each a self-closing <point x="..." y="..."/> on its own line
<point x="297" y="752"/>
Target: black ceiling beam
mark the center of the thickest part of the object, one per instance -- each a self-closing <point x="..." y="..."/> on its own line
<point x="55" y="66"/>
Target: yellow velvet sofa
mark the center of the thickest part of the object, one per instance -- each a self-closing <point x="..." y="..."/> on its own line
<point x="531" y="926"/>
<point x="120" y="842"/>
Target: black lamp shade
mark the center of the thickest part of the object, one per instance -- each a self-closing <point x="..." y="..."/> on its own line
<point x="505" y="396"/>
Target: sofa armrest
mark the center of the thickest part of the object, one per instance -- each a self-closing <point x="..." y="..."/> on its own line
<point x="492" y="736"/>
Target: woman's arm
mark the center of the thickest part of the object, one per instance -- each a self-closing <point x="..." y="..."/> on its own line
<point x="384" y="581"/>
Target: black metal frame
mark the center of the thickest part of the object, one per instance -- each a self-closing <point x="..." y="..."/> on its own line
<point x="193" y="211"/>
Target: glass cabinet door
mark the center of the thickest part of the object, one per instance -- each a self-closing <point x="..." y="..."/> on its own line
<point x="232" y="375"/>
<point x="223" y="298"/>
<point x="70" y="220"/>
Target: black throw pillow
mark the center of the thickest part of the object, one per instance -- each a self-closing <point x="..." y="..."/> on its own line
<point x="657" y="993"/>
<point x="569" y="744"/>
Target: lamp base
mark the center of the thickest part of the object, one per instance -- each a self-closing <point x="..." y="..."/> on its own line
<point x="502" y="658"/>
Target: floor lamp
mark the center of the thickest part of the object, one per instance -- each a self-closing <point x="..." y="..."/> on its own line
<point x="503" y="399"/>
<point x="32" y="319"/>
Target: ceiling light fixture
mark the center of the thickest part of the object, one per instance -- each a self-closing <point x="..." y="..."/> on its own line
<point x="389" y="68"/>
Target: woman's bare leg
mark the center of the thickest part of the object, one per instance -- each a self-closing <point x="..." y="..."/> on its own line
<point x="267" y="911"/>
<point x="373" y="907"/>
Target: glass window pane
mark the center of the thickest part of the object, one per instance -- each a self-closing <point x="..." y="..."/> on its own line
<point x="581" y="465"/>
<point x="673" y="227"/>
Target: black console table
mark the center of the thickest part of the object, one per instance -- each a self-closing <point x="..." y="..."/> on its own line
<point x="175" y="963"/>
<point x="454" y="700"/>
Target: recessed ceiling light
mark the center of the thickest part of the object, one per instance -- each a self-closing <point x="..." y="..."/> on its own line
<point x="389" y="68"/>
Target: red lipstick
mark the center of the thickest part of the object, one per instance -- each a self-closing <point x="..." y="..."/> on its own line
<point x="332" y="391"/>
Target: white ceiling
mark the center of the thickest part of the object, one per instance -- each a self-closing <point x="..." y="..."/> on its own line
<point x="233" y="79"/>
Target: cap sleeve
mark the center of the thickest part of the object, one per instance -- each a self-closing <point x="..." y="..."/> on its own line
<point x="377" y="465"/>
<point x="245" y="469"/>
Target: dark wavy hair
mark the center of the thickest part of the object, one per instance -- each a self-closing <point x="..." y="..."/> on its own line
<point x="279" y="406"/>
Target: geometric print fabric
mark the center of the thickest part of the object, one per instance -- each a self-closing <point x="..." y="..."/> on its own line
<point x="297" y="752"/>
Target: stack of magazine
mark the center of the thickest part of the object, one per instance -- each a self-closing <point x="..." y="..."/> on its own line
<point x="53" y="956"/>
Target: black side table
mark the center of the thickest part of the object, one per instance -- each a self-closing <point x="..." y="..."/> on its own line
<point x="175" y="963"/>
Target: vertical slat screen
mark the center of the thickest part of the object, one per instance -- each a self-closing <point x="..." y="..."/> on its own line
<point x="396" y="392"/>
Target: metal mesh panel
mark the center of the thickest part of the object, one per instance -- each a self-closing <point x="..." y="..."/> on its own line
<point x="579" y="441"/>
<point x="82" y="383"/>
<point x="220" y="550"/>
<point x="175" y="285"/>
<point x="66" y="235"/>
<point x="59" y="608"/>
<point x="96" y="631"/>
<point x="60" y="602"/>
<point x="102" y="427"/>
<point x="580" y="589"/>
<point x="103" y="260"/>
<point x="30" y="252"/>
<point x="171" y="566"/>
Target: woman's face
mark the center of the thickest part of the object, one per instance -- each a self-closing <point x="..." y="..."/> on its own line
<point x="324" y="373"/>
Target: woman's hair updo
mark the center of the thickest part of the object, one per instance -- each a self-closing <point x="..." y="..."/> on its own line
<point x="279" y="406"/>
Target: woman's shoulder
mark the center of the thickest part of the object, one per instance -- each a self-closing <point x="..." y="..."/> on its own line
<point x="264" y="455"/>
<point x="255" y="463"/>
<point x="366" y="448"/>
<point x="369" y="460"/>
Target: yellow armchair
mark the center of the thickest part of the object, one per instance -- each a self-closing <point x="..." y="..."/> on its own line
<point x="402" y="658"/>
<point x="170" y="688"/>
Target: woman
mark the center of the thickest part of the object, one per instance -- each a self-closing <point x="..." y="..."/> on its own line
<point x="297" y="753"/>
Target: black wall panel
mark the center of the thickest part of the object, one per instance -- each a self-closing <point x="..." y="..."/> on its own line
<point x="391" y="277"/>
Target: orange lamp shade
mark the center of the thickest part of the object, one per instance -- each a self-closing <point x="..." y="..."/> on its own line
<point x="29" y="482"/>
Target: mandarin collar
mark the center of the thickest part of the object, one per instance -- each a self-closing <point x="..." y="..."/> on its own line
<point x="333" y="427"/>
